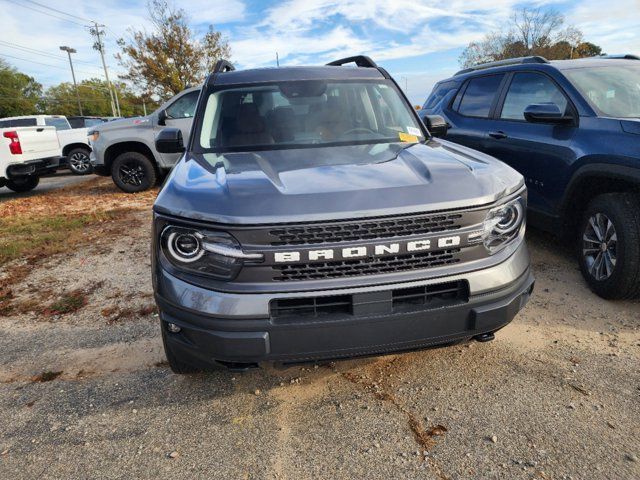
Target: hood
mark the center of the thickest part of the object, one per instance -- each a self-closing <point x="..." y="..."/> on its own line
<point x="123" y="123"/>
<point x="331" y="183"/>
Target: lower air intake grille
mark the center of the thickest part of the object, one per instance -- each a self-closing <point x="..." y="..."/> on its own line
<point x="366" y="266"/>
<point x="401" y="300"/>
<point x="315" y="307"/>
<point x="430" y="296"/>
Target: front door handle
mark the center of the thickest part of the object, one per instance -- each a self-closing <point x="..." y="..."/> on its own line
<point x="499" y="135"/>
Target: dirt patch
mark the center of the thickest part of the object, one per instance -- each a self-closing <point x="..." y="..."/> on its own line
<point x="46" y="376"/>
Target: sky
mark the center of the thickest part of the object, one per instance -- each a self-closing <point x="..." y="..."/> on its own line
<point x="419" y="42"/>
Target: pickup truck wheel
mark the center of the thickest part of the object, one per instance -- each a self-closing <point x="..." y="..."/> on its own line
<point x="133" y="172"/>
<point x="23" y="184"/>
<point x="78" y="160"/>
<point x="609" y="245"/>
<point x="176" y="365"/>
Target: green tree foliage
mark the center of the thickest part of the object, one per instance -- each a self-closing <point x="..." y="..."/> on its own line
<point x="94" y="94"/>
<point x="530" y="32"/>
<point x="171" y="57"/>
<point x="19" y="93"/>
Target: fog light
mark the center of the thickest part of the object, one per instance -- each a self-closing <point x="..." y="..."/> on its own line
<point x="173" y="328"/>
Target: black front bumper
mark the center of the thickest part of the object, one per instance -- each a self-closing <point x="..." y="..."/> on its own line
<point x="204" y="340"/>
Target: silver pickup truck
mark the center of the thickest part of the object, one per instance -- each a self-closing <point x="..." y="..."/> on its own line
<point x="125" y="148"/>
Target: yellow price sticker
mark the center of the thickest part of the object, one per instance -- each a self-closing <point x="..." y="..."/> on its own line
<point x="405" y="137"/>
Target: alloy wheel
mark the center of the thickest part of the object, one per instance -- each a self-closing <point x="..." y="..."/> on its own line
<point x="79" y="161"/>
<point x="131" y="173"/>
<point x="599" y="246"/>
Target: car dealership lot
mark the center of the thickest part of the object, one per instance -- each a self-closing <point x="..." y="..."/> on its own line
<point x="85" y="391"/>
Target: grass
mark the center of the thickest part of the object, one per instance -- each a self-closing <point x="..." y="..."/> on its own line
<point x="68" y="303"/>
<point x="24" y="237"/>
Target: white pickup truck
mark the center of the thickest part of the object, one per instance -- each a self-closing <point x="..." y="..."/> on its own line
<point x="73" y="142"/>
<point x="25" y="154"/>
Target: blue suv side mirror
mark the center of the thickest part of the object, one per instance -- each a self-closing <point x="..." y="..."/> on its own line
<point x="545" y="113"/>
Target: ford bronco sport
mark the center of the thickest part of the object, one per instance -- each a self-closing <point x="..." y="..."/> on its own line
<point x="313" y="216"/>
<point x="571" y="127"/>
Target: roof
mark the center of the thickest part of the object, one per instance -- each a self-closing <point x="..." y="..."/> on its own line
<point x="540" y="63"/>
<point x="19" y="117"/>
<point x="281" y="74"/>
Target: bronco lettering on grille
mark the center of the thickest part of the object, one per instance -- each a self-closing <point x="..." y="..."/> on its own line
<point x="367" y="250"/>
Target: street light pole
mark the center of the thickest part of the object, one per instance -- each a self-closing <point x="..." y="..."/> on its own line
<point x="69" y="51"/>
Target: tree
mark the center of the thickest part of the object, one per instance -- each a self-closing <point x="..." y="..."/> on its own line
<point x="19" y="93"/>
<point x="170" y="58"/>
<point x="94" y="95"/>
<point x="530" y="32"/>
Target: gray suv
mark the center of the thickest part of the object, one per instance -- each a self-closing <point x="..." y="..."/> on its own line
<point x="125" y="148"/>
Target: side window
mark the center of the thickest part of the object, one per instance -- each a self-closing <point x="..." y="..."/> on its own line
<point x="184" y="107"/>
<point x="23" y="122"/>
<point x="479" y="96"/>
<point x="59" y="123"/>
<point x="527" y="89"/>
<point x="440" y="91"/>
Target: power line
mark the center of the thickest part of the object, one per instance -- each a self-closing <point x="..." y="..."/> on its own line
<point x="45" y="13"/>
<point x="42" y="63"/>
<point x="40" y="52"/>
<point x="59" y="11"/>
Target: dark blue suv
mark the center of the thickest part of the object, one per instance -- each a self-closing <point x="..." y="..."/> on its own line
<point x="572" y="128"/>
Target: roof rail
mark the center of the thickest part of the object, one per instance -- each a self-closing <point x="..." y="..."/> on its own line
<point x="622" y="56"/>
<point x="501" y="63"/>
<point x="223" y="66"/>
<point x="359" y="60"/>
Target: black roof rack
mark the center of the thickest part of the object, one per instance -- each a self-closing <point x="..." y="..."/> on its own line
<point x="223" y="66"/>
<point x="501" y="63"/>
<point x="622" y="56"/>
<point x="359" y="60"/>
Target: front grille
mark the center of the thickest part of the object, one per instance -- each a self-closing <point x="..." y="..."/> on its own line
<point x="365" y="266"/>
<point x="400" y="300"/>
<point x="367" y="230"/>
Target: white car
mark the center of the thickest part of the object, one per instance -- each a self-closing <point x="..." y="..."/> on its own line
<point x="25" y="154"/>
<point x="74" y="142"/>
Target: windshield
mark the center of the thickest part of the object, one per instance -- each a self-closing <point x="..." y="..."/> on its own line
<point x="612" y="91"/>
<point x="308" y="113"/>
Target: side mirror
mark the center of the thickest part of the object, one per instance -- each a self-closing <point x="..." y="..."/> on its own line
<point x="545" y="113"/>
<point x="162" y="117"/>
<point x="169" y="140"/>
<point x="436" y="125"/>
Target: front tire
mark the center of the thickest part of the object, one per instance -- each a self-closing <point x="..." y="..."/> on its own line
<point x="78" y="160"/>
<point x="609" y="245"/>
<point x="23" y="184"/>
<point x="133" y="172"/>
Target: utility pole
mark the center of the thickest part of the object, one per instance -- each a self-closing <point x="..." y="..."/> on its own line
<point x="277" y="60"/>
<point x="69" y="51"/>
<point x="98" y="45"/>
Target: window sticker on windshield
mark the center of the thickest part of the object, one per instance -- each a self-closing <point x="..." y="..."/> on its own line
<point x="405" y="137"/>
<point x="611" y="94"/>
<point x="414" y="131"/>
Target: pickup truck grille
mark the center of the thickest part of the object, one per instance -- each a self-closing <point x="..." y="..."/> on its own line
<point x="367" y="230"/>
<point x="365" y="266"/>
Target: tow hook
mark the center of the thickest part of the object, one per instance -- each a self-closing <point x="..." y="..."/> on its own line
<point x="484" y="337"/>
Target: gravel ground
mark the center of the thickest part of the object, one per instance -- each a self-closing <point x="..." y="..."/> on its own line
<point x="555" y="396"/>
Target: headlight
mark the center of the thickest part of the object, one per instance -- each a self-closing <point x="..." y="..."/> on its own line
<point x="93" y="135"/>
<point x="504" y="223"/>
<point x="202" y="252"/>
